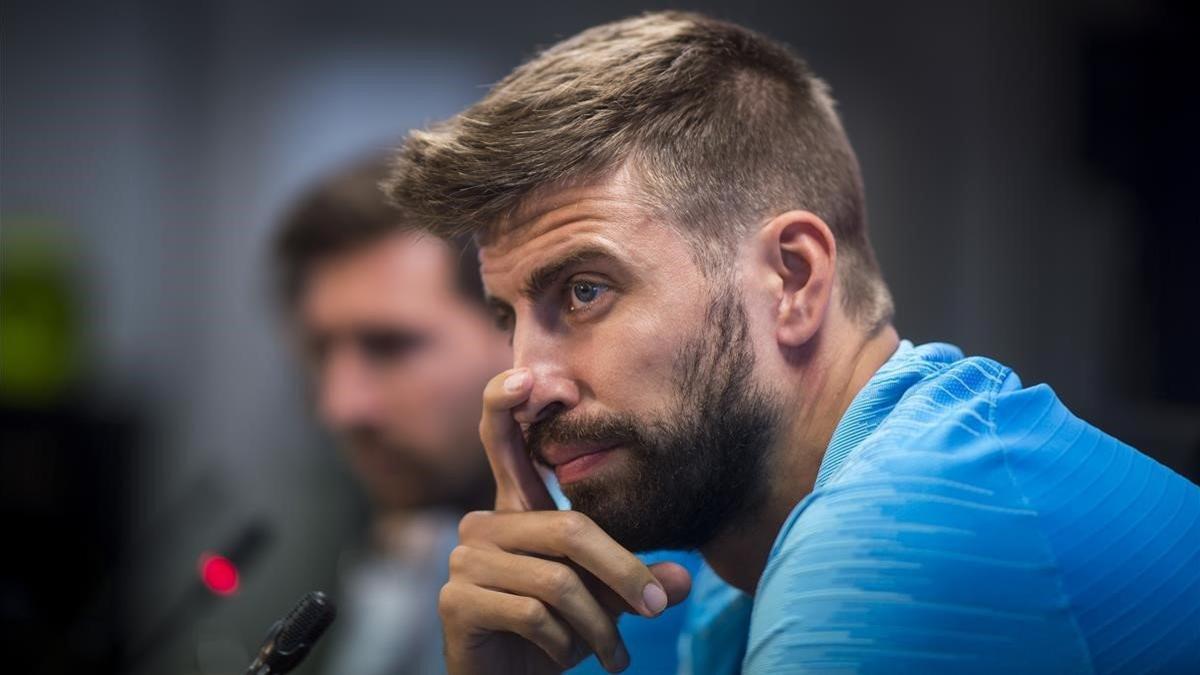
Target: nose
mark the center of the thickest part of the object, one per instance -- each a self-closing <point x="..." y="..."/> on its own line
<point x="554" y="387"/>
<point x="347" y="394"/>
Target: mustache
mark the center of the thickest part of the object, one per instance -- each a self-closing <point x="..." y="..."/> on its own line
<point x="363" y="436"/>
<point x="376" y="442"/>
<point x="616" y="428"/>
<point x="373" y="439"/>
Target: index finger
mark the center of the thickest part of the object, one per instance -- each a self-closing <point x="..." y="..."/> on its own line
<point x="518" y="485"/>
<point x="574" y="536"/>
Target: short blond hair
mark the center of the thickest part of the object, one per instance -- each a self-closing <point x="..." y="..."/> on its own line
<point x="722" y="126"/>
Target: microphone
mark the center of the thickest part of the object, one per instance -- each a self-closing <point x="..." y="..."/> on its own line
<point x="291" y="638"/>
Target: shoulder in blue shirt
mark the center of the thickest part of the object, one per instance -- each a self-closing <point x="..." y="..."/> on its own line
<point x="961" y="522"/>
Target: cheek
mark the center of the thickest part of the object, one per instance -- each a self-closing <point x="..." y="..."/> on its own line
<point x="439" y="395"/>
<point x="629" y="363"/>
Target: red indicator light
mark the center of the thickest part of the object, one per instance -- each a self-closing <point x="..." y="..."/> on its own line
<point x="218" y="574"/>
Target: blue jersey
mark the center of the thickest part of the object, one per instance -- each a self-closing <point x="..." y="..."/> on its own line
<point x="962" y="523"/>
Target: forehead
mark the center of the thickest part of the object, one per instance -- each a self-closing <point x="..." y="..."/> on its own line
<point x="406" y="271"/>
<point x="608" y="216"/>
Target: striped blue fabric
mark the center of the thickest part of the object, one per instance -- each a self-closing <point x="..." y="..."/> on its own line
<point x="713" y="636"/>
<point x="962" y="523"/>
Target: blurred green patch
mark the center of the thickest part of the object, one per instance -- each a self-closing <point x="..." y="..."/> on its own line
<point x="39" y="317"/>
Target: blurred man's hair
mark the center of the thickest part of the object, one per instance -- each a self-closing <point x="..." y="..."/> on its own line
<point x="344" y="213"/>
<point x="720" y="126"/>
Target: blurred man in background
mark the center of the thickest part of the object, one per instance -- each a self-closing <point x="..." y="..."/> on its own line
<point x="398" y="345"/>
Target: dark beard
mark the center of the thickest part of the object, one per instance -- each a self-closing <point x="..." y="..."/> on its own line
<point x="694" y="472"/>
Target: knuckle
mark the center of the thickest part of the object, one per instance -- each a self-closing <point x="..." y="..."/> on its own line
<point x="570" y="527"/>
<point x="470" y="525"/>
<point x="532" y="614"/>
<point x="460" y="559"/>
<point x="559" y="581"/>
<point x="448" y="605"/>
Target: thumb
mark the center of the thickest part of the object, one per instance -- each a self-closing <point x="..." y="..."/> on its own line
<point x="675" y="580"/>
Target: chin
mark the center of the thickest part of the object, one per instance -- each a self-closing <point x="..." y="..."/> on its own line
<point x="602" y="491"/>
<point x="649" y="516"/>
<point x="635" y="523"/>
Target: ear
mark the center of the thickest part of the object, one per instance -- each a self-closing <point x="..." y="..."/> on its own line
<point x="800" y="252"/>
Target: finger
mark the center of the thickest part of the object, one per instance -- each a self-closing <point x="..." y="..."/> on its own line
<point x="675" y="580"/>
<point x="465" y="607"/>
<point x="518" y="486"/>
<point x="571" y="535"/>
<point x="554" y="583"/>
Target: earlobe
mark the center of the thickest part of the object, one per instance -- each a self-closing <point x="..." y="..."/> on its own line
<point x="800" y="249"/>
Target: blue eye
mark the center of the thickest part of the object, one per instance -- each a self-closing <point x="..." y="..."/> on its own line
<point x="584" y="293"/>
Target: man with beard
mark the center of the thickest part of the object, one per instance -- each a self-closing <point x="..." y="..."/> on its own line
<point x="672" y="228"/>
<point x="399" y="343"/>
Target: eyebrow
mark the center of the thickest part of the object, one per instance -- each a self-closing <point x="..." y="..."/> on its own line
<point x="542" y="278"/>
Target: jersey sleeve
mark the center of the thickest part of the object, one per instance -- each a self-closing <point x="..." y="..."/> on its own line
<point x="1124" y="530"/>
<point x="922" y="557"/>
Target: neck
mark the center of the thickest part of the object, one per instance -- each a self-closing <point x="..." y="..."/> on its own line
<point x="831" y="381"/>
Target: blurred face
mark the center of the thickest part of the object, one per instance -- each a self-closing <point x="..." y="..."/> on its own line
<point x="399" y="358"/>
<point x="645" y="401"/>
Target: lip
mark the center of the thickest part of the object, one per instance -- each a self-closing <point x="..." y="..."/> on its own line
<point x="572" y="463"/>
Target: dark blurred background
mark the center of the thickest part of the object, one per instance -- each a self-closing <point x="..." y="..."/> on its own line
<point x="1031" y="171"/>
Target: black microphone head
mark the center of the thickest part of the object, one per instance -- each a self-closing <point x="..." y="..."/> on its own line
<point x="306" y="622"/>
<point x="291" y="638"/>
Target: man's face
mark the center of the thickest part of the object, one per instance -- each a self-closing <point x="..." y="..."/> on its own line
<point x="399" y="358"/>
<point x="645" y="400"/>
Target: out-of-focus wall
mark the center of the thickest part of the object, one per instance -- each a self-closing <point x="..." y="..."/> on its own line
<point x="166" y="137"/>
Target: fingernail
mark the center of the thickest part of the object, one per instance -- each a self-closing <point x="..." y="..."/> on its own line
<point x="655" y="598"/>
<point x="620" y="659"/>
<point x="515" y="381"/>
